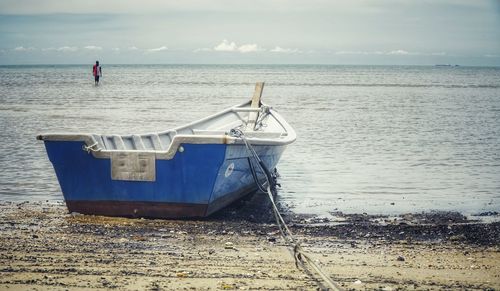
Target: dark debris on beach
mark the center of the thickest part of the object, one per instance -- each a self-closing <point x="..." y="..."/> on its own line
<point x="435" y="226"/>
<point x="254" y="216"/>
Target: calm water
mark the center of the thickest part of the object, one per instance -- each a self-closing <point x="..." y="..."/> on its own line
<point x="370" y="139"/>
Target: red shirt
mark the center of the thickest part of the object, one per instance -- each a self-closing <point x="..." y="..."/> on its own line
<point x="96" y="70"/>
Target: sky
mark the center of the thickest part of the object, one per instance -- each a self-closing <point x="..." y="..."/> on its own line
<point x="358" y="32"/>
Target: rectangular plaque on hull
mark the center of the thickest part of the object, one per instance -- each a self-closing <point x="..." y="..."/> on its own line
<point x="133" y="166"/>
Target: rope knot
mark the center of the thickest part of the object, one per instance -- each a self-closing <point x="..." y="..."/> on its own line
<point x="91" y="148"/>
<point x="236" y="132"/>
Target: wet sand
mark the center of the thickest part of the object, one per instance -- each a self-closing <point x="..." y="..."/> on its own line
<point x="43" y="247"/>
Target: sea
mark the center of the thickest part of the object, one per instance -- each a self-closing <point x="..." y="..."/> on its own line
<point x="370" y="139"/>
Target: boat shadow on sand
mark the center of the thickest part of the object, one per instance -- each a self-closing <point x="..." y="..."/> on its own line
<point x="254" y="207"/>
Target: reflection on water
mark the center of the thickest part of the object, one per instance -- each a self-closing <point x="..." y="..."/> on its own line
<point x="370" y="139"/>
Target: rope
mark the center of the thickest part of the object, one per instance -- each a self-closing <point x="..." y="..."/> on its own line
<point x="264" y="112"/>
<point x="91" y="148"/>
<point x="298" y="253"/>
<point x="254" y="174"/>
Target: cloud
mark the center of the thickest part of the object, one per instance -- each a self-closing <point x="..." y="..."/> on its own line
<point x="225" y="46"/>
<point x="359" y="53"/>
<point x="399" y="52"/>
<point x="278" y="49"/>
<point x="407" y="53"/>
<point x="93" y="48"/>
<point x="132" y="48"/>
<point x="158" y="49"/>
<point x="23" y="49"/>
<point x="67" y="49"/>
<point x="249" y="48"/>
<point x="61" y="49"/>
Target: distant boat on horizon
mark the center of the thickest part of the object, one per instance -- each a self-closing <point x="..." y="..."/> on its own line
<point x="446" y="65"/>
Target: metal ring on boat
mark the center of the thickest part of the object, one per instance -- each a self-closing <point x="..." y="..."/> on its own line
<point x="229" y="170"/>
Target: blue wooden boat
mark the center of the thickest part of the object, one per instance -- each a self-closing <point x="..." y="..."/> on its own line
<point x="190" y="171"/>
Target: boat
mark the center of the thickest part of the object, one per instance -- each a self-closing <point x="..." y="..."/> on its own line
<point x="189" y="171"/>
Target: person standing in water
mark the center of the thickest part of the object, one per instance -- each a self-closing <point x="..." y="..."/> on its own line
<point x="97" y="72"/>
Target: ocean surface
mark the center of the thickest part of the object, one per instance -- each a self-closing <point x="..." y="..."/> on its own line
<point x="374" y="139"/>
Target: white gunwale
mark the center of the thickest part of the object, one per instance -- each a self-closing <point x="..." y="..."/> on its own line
<point x="281" y="135"/>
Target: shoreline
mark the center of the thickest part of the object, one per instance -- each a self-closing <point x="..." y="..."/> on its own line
<point x="42" y="246"/>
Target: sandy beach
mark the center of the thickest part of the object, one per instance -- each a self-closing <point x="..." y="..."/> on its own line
<point x="44" y="247"/>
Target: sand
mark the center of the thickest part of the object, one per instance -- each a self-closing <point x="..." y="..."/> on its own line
<point x="43" y="247"/>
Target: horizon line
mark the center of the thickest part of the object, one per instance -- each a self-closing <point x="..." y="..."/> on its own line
<point x="257" y="64"/>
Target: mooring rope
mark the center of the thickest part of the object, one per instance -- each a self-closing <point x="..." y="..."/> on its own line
<point x="298" y="253"/>
<point x="91" y="148"/>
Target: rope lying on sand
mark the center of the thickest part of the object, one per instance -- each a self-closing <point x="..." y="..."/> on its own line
<point x="299" y="254"/>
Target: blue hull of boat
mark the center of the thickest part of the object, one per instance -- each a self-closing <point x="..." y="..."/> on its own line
<point x="194" y="183"/>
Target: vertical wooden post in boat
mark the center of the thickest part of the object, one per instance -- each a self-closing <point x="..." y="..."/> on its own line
<point x="252" y="116"/>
